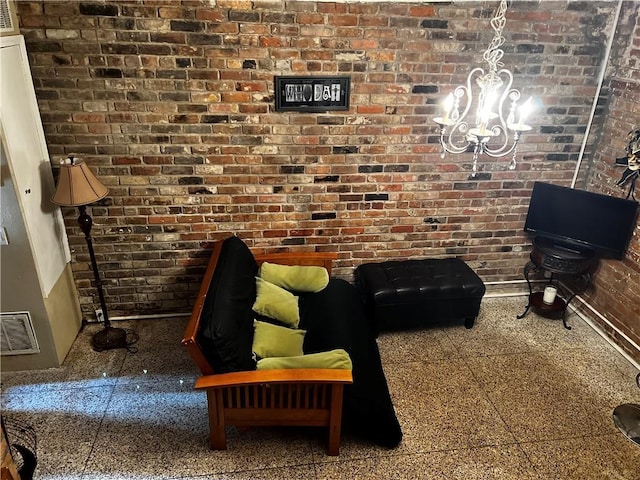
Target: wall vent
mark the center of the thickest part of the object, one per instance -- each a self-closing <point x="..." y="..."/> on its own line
<point x="8" y="19"/>
<point x="18" y="337"/>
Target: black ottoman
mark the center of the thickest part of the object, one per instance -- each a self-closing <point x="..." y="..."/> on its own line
<point x="410" y="293"/>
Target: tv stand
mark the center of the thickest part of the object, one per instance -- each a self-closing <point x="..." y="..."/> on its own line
<point x="560" y="260"/>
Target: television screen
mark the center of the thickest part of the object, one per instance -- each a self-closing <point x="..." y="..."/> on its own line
<point x="582" y="219"/>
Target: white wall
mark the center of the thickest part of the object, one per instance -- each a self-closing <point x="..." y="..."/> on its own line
<point x="29" y="164"/>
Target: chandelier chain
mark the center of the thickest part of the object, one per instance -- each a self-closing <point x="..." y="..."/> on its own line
<point x="493" y="54"/>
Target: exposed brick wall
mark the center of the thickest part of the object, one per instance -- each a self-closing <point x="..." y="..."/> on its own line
<point x="171" y="103"/>
<point x="616" y="292"/>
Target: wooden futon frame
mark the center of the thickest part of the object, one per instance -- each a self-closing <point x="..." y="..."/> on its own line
<point x="293" y="397"/>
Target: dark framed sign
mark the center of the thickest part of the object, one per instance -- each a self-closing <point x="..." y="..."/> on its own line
<point x="312" y="94"/>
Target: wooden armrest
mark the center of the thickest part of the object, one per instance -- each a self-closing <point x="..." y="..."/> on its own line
<point x="254" y="377"/>
<point x="189" y="339"/>
<point x="320" y="259"/>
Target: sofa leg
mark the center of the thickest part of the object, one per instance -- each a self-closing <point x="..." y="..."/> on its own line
<point x="468" y="322"/>
<point x="335" y="420"/>
<point x="217" y="434"/>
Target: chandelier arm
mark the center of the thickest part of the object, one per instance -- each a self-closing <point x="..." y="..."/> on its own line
<point x="446" y="140"/>
<point x="460" y="125"/>
<point x="501" y="152"/>
<point x="450" y="147"/>
<point x="469" y="91"/>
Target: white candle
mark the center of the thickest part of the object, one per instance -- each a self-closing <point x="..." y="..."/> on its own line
<point x="549" y="295"/>
<point x="525" y="110"/>
<point x="448" y="105"/>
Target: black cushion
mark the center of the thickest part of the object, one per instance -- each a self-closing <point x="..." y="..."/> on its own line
<point x="334" y="318"/>
<point x="226" y="329"/>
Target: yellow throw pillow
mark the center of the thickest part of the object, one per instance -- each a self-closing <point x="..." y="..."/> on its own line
<point x="298" y="278"/>
<point x="275" y="341"/>
<point x="275" y="302"/>
<point x="334" y="359"/>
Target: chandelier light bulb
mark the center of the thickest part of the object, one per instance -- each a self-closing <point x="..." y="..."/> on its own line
<point x="448" y="106"/>
<point x="525" y="110"/>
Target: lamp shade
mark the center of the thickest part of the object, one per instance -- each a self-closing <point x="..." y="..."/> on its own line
<point x="77" y="185"/>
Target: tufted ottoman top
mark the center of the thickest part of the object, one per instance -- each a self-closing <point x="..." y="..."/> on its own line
<point x="413" y="281"/>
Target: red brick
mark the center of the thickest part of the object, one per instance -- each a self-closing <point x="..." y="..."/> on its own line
<point x="88" y="117"/>
<point x="310" y="18"/>
<point x="331" y="7"/>
<point x="422" y="11"/>
<point x="343" y="20"/>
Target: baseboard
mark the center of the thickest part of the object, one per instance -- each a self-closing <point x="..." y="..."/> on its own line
<point x="589" y="321"/>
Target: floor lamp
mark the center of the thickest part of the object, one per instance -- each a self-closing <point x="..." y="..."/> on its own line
<point x="78" y="187"/>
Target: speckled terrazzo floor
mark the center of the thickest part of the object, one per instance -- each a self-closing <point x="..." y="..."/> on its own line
<point x="510" y="400"/>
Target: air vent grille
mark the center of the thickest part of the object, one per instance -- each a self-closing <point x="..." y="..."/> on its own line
<point x="18" y="337"/>
<point x="7" y="17"/>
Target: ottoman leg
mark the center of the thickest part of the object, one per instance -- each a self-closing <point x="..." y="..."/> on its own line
<point x="468" y="322"/>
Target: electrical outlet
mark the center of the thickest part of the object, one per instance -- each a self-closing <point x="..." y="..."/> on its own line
<point x="99" y="315"/>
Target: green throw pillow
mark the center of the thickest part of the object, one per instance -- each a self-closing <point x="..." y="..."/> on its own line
<point x="274" y="341"/>
<point x="334" y="359"/>
<point x="275" y="302"/>
<point x="299" y="278"/>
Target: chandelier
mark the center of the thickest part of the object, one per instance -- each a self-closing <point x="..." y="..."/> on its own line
<point x="498" y="120"/>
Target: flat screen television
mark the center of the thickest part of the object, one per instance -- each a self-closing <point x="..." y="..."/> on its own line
<point x="581" y="219"/>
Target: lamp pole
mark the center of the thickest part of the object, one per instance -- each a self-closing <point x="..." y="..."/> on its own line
<point x="85" y="222"/>
<point x="109" y="337"/>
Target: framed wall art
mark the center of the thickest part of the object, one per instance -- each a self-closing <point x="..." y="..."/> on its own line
<point x="312" y="94"/>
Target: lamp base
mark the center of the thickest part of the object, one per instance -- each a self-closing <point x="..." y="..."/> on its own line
<point x="109" y="338"/>
<point x="627" y="419"/>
